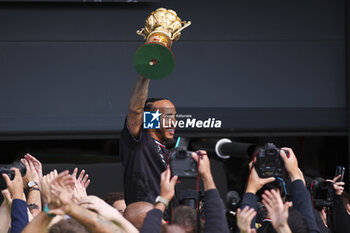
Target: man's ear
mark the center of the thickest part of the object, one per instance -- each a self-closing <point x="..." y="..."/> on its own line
<point x="348" y="207"/>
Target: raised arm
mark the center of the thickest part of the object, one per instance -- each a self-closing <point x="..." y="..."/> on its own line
<point x="153" y="220"/>
<point x="5" y="211"/>
<point x="300" y="196"/>
<point x="214" y="210"/>
<point x="102" y="208"/>
<point x="19" y="215"/>
<point x="255" y="183"/>
<point x="62" y="204"/>
<point x="136" y="104"/>
<point x="278" y="211"/>
<point x="31" y="181"/>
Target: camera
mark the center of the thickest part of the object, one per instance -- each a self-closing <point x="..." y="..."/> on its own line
<point x="322" y="193"/>
<point x="262" y="213"/>
<point x="182" y="164"/>
<point x="233" y="202"/>
<point x="340" y="170"/>
<point x="189" y="197"/>
<point x="269" y="162"/>
<point x="6" y="169"/>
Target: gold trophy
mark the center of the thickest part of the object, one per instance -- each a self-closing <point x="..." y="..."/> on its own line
<point x="154" y="59"/>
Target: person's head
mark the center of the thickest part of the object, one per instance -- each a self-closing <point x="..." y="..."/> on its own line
<point x="116" y="199"/>
<point x="136" y="213"/>
<point x="172" y="229"/>
<point x="67" y="226"/>
<point x="346" y="198"/>
<point x="167" y="119"/>
<point x="297" y="222"/>
<point x="185" y="217"/>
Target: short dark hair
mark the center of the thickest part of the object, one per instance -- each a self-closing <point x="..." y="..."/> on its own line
<point x="67" y="226"/>
<point x="346" y="198"/>
<point x="185" y="217"/>
<point x="149" y="103"/>
<point x="297" y="221"/>
<point x="112" y="197"/>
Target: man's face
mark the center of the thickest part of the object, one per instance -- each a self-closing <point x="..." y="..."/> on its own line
<point x="168" y="120"/>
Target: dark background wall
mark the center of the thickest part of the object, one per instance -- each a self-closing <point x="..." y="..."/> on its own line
<point x="266" y="68"/>
<point x="67" y="67"/>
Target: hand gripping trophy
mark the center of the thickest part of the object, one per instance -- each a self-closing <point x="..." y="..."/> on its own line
<point x="154" y="59"/>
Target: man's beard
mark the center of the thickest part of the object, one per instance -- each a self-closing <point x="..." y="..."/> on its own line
<point x="164" y="138"/>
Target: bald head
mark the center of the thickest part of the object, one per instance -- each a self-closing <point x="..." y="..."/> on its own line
<point x="136" y="213"/>
<point x="172" y="229"/>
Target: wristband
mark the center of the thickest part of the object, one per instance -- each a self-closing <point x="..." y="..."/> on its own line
<point x="162" y="200"/>
<point x="33" y="206"/>
<point x="47" y="209"/>
<point x="31" y="189"/>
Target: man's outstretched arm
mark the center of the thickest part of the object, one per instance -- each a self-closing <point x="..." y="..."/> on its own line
<point x="136" y="104"/>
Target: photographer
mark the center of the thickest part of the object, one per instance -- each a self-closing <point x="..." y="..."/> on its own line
<point x="19" y="215"/>
<point x="300" y="197"/>
<point x="215" y="220"/>
<point x="335" y="218"/>
<point x="277" y="211"/>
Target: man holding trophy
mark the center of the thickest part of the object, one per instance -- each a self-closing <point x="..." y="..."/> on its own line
<point x="143" y="152"/>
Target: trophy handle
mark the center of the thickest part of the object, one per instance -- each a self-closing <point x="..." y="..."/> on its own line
<point x="185" y="25"/>
<point x="140" y="33"/>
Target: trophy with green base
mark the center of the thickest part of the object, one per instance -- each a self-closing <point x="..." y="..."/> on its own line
<point x="154" y="59"/>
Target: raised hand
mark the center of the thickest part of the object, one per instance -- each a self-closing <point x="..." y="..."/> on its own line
<point x="15" y="186"/>
<point x="204" y="164"/>
<point x="31" y="174"/>
<point x="81" y="184"/>
<point x="244" y="219"/>
<point x="278" y="211"/>
<point x="255" y="183"/>
<point x="45" y="185"/>
<point x="291" y="164"/>
<point x="7" y="198"/>
<point x="60" y="193"/>
<point x="201" y="157"/>
<point x="99" y="206"/>
<point x="337" y="185"/>
<point x="37" y="164"/>
<point x="167" y="184"/>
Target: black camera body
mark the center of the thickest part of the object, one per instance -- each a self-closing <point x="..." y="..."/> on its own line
<point x="182" y="164"/>
<point x="269" y="162"/>
<point x="189" y="197"/>
<point x="322" y="193"/>
<point x="340" y="170"/>
<point x="6" y="169"/>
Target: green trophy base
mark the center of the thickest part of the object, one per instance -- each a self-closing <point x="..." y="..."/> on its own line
<point x="154" y="61"/>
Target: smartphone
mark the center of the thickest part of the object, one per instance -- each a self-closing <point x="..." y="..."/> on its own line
<point x="340" y="171"/>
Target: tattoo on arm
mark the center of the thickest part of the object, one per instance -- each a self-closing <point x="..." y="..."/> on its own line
<point x="136" y="104"/>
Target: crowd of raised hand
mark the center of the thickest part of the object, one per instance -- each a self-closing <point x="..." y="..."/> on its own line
<point x="58" y="202"/>
<point x="296" y="215"/>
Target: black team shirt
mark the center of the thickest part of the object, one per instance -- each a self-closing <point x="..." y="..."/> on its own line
<point x="144" y="159"/>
